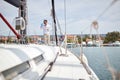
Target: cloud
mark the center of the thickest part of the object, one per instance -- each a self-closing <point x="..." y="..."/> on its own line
<point x="79" y="15"/>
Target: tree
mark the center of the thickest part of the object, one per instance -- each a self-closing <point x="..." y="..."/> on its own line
<point x="9" y="40"/>
<point x="86" y="37"/>
<point x="112" y="37"/>
<point x="69" y="41"/>
<point x="79" y="39"/>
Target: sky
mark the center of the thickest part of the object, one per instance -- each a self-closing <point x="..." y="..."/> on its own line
<point x="79" y="16"/>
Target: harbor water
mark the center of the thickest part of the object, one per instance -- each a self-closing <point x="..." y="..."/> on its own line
<point x="99" y="58"/>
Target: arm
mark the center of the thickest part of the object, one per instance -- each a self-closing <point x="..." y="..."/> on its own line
<point x="41" y="26"/>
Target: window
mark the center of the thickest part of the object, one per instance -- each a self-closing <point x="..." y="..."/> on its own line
<point x="12" y="72"/>
<point x="38" y="59"/>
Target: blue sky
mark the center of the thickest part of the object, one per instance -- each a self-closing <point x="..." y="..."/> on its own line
<point x="79" y="15"/>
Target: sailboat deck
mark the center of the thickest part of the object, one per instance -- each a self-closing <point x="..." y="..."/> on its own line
<point x="20" y="62"/>
<point x="67" y="68"/>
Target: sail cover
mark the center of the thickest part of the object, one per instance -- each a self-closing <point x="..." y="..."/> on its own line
<point x="15" y="3"/>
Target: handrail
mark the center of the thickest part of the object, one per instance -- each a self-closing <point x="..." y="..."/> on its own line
<point x="49" y="67"/>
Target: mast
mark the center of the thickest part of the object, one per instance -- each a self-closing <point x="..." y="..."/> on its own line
<point x="53" y="14"/>
<point x="23" y="14"/>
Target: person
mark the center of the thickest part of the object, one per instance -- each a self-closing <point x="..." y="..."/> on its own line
<point x="46" y="31"/>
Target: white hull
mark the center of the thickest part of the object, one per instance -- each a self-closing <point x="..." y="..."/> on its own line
<point x="32" y="62"/>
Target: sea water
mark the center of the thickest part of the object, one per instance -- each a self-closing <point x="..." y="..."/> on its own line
<point x="99" y="58"/>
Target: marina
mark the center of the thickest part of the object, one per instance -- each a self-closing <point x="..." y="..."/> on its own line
<point x="25" y="54"/>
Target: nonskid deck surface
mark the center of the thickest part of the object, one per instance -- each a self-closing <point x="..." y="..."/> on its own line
<point x="67" y="68"/>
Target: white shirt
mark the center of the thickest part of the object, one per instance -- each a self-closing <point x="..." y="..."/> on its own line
<point x="46" y="28"/>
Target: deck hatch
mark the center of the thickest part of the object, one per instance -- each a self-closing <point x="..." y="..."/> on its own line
<point x="13" y="72"/>
<point x="38" y="59"/>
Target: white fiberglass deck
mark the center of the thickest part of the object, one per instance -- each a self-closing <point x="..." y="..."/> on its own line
<point x="32" y="62"/>
<point x="67" y="68"/>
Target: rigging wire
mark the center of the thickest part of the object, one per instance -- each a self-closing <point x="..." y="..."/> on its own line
<point x="106" y="9"/>
<point x="103" y="12"/>
<point x="53" y="12"/>
<point x="13" y="22"/>
<point x="110" y="68"/>
<point x="65" y="27"/>
<point x="53" y="29"/>
<point x="95" y="26"/>
<point x="59" y="27"/>
<point x="95" y="23"/>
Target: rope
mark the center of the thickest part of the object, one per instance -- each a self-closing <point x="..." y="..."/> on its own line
<point x="110" y="68"/>
<point x="95" y="25"/>
<point x="111" y="4"/>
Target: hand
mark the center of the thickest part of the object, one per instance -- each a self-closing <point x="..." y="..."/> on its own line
<point x="47" y="29"/>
